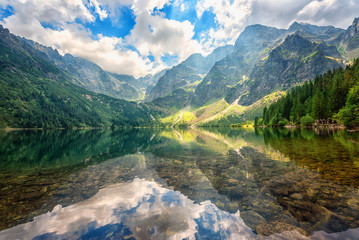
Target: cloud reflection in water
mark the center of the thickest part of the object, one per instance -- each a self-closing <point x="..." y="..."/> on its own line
<point x="145" y="208"/>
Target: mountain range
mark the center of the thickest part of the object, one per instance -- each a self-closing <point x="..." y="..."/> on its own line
<point x="265" y="63"/>
<point x="42" y="88"/>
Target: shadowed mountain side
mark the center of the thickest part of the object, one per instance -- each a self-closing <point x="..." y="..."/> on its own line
<point x="187" y="73"/>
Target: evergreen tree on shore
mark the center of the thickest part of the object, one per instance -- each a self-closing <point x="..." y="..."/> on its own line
<point x="331" y="96"/>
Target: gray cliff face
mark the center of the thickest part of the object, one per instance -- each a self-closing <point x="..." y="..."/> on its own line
<point x="252" y="45"/>
<point x="348" y="41"/>
<point x="294" y="61"/>
<point x="353" y="30"/>
<point x="255" y="36"/>
<point x="325" y="33"/>
<point x="352" y="36"/>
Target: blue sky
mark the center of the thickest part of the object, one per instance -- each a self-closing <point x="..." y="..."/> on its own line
<point x="139" y="37"/>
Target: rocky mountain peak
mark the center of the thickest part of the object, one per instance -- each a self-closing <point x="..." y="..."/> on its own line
<point x="295" y="27"/>
<point x="4" y="31"/>
<point x="295" y="41"/>
<point x="354" y="28"/>
<point x="324" y="32"/>
<point x="257" y="36"/>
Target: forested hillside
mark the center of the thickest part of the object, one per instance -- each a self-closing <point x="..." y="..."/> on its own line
<point x="333" y="96"/>
<point x="34" y="93"/>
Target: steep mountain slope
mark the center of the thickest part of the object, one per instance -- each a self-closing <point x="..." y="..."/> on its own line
<point x="175" y="101"/>
<point x="93" y="78"/>
<point x="294" y="61"/>
<point x="90" y="76"/>
<point x="148" y="82"/>
<point x="186" y="73"/>
<point x="252" y="45"/>
<point x="36" y="93"/>
<point x="348" y="41"/>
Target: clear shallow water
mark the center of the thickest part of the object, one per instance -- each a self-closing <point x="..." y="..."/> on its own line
<point x="175" y="184"/>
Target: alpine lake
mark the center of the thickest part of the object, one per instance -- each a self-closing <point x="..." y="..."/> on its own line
<point x="194" y="183"/>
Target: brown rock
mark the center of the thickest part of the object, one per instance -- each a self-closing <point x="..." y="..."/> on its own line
<point x="267" y="229"/>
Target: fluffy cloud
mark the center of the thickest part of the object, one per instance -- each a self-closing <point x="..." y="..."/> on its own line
<point x="51" y="11"/>
<point x="105" y="51"/>
<point x="155" y="35"/>
<point x="277" y="13"/>
<point x="282" y="13"/>
<point x="330" y="12"/>
<point x="140" y="6"/>
<point x="102" y="13"/>
<point x="158" y="36"/>
<point x="231" y="17"/>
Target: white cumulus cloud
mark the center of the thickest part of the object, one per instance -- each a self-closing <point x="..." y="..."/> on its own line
<point x="158" y="36"/>
<point x="102" y="13"/>
<point x="231" y="17"/>
<point x="330" y="12"/>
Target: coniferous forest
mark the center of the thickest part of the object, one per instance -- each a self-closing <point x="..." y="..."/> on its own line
<point x="333" y="97"/>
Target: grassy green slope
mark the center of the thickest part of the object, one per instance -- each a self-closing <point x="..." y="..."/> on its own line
<point x="220" y="113"/>
<point x="240" y="114"/>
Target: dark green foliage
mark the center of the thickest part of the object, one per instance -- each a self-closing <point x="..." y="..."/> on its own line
<point x="256" y="121"/>
<point x="283" y="123"/>
<point x="324" y="98"/>
<point x="306" y="120"/>
<point x="350" y="113"/>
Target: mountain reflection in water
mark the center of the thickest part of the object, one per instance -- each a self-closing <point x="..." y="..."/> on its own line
<point x="180" y="184"/>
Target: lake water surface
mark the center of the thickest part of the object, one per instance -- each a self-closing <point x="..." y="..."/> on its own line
<point x="179" y="184"/>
